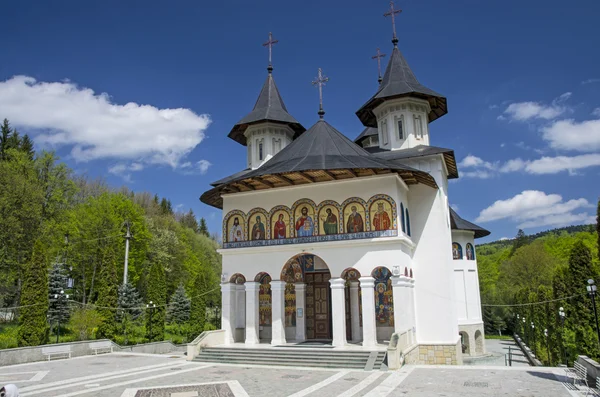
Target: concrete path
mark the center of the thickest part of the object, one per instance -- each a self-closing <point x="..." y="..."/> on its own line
<point x="497" y="349"/>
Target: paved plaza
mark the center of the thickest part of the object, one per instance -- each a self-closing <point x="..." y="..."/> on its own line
<point x="136" y="375"/>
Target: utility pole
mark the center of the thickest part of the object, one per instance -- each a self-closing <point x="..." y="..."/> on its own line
<point x="127" y="238"/>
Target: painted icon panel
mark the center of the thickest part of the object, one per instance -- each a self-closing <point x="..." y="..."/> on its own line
<point x="354" y="217"/>
<point x="257" y="226"/>
<point x="470" y="252"/>
<point x="457" y="251"/>
<point x="381" y="215"/>
<point x="280" y="222"/>
<point x="384" y="298"/>
<point x="235" y="229"/>
<point x="329" y="220"/>
<point x="305" y="220"/>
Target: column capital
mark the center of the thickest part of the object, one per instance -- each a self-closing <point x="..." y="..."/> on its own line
<point x="367" y="282"/>
<point x="228" y="287"/>
<point x="354" y="284"/>
<point x="277" y="284"/>
<point x="337" y="283"/>
<point x="401" y="281"/>
<point x="240" y="287"/>
<point x="251" y="285"/>
<point x="300" y="286"/>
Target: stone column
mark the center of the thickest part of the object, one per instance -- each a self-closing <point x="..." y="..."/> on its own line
<point x="367" y="286"/>
<point x="401" y="288"/>
<point x="240" y="308"/>
<point x="228" y="291"/>
<point x="355" y="311"/>
<point x="252" y="289"/>
<point x="300" y="307"/>
<point x="338" y="311"/>
<point x="278" y="312"/>
<point x="411" y="311"/>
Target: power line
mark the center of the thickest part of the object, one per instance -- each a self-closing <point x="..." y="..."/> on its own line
<point x="535" y="303"/>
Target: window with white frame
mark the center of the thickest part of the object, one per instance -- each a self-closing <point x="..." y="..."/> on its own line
<point x="384" y="132"/>
<point x="249" y="155"/>
<point x="400" y="127"/>
<point x="418" y="127"/>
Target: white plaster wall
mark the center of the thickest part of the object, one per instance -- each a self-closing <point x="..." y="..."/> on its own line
<point x="406" y="108"/>
<point x="265" y="132"/>
<point x="470" y="296"/>
<point x="436" y="314"/>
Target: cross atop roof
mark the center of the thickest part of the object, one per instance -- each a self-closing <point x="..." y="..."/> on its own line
<point x="378" y="57"/>
<point x="392" y="13"/>
<point x="320" y="82"/>
<point x="270" y="44"/>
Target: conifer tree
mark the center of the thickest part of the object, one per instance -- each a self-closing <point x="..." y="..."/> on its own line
<point x="5" y="132"/>
<point x="27" y="146"/>
<point x="179" y="307"/>
<point x="520" y="240"/>
<point x="203" y="229"/>
<point x="33" y="323"/>
<point x="107" y="297"/>
<point x="156" y="293"/>
<point x="198" y="306"/>
<point x="129" y="302"/>
<point x="58" y="312"/>
<point x="598" y="226"/>
<point x="164" y="206"/>
<point x="189" y="220"/>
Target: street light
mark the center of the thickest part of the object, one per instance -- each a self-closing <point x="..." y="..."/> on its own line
<point x="547" y="344"/>
<point x="517" y="323"/>
<point x="151" y="306"/>
<point x="524" y="330"/>
<point x="533" y="332"/>
<point x="59" y="297"/>
<point x="561" y="314"/>
<point x="591" y="289"/>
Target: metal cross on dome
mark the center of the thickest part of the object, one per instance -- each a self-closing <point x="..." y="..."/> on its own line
<point x="270" y="44"/>
<point x="320" y="82"/>
<point x="392" y="13"/>
<point x="378" y="57"/>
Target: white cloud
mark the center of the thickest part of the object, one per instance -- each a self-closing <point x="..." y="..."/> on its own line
<point x="491" y="107"/>
<point x="596" y="112"/>
<point x="200" y="167"/>
<point x="590" y="81"/>
<point x="523" y="111"/>
<point x="513" y="165"/>
<point x="502" y="144"/>
<point x="454" y="207"/>
<point x="533" y="208"/>
<point x="572" y="135"/>
<point x="64" y="114"/>
<point x="553" y="165"/>
<point x="124" y="170"/>
<point x="504" y="238"/>
<point x="475" y="162"/>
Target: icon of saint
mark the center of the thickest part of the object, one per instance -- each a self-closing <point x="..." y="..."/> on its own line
<point x="381" y="219"/>
<point x="304" y="225"/>
<point x="330" y="225"/>
<point x="258" y="230"/>
<point x="355" y="222"/>
<point x="456" y="254"/>
<point x="470" y="255"/>
<point x="236" y="233"/>
<point x="279" y="229"/>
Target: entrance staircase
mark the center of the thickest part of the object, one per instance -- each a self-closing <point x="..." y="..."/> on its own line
<point x="294" y="357"/>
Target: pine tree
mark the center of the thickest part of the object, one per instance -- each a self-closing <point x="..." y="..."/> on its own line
<point x="189" y="220"/>
<point x="203" y="229"/>
<point x="520" y="240"/>
<point x="107" y="297"/>
<point x="156" y="293"/>
<point x="5" y="132"/>
<point x="598" y="226"/>
<point x="130" y="309"/>
<point x="179" y="307"/>
<point x="33" y="323"/>
<point x="14" y="141"/>
<point x="27" y="146"/>
<point x="198" y="306"/>
<point x="164" y="206"/>
<point x="58" y="312"/>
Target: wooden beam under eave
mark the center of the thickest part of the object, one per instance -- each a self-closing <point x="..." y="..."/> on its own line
<point x="283" y="179"/>
<point x="246" y="185"/>
<point x="232" y="188"/>
<point x="370" y="171"/>
<point x="349" y="171"/>
<point x="305" y="177"/>
<point x="330" y="175"/>
<point x="262" y="181"/>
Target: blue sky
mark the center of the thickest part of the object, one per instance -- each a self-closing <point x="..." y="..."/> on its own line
<point x="145" y="93"/>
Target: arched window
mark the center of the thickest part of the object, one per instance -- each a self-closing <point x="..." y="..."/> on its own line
<point x="400" y="127"/>
<point x="402" y="218"/>
<point x="407" y="223"/>
<point x="384" y="132"/>
<point x="418" y="127"/>
<point x="470" y="252"/>
<point x="260" y="151"/>
<point x="456" y="251"/>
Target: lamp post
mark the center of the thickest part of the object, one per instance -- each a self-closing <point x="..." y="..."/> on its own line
<point x="547" y="344"/>
<point x="151" y="306"/>
<point x="561" y="314"/>
<point x="517" y="324"/>
<point x="533" y="337"/>
<point x="524" y="330"/>
<point x="591" y="289"/>
<point x="59" y="297"/>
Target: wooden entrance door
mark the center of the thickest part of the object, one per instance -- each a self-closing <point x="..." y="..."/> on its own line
<point x="318" y="312"/>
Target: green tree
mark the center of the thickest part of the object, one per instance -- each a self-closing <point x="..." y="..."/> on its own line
<point x="33" y="324"/>
<point x="5" y="132"/>
<point x="529" y="267"/>
<point x="130" y="310"/>
<point x="107" y="297"/>
<point x="156" y="293"/>
<point x="519" y="241"/>
<point x="58" y="311"/>
<point x="179" y="307"/>
<point x="198" y="305"/>
<point x="189" y="220"/>
<point x="27" y="146"/>
<point x="203" y="229"/>
<point x="598" y="227"/>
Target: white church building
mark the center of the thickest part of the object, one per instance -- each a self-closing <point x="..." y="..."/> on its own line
<point x="352" y="244"/>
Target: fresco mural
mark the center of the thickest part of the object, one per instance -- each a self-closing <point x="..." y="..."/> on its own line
<point x="354" y="215"/>
<point x="470" y="252"/>
<point x="381" y="215"/>
<point x="280" y="224"/>
<point x="305" y="221"/>
<point x="258" y="230"/>
<point x="264" y="300"/>
<point x="329" y="217"/>
<point x="384" y="298"/>
<point x="456" y="251"/>
<point x="235" y="229"/>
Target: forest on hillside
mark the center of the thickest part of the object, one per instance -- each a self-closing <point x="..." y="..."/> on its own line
<point x="526" y="281"/>
<point x="62" y="251"/>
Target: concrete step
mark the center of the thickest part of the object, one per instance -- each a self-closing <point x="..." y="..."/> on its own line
<point x="273" y="352"/>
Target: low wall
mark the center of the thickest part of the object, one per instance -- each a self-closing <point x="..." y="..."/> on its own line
<point x="22" y="355"/>
<point x="205" y="339"/>
<point x="527" y="351"/>
<point x="593" y="369"/>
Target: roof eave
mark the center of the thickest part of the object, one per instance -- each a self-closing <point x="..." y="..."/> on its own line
<point x="438" y="105"/>
<point x="238" y="130"/>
